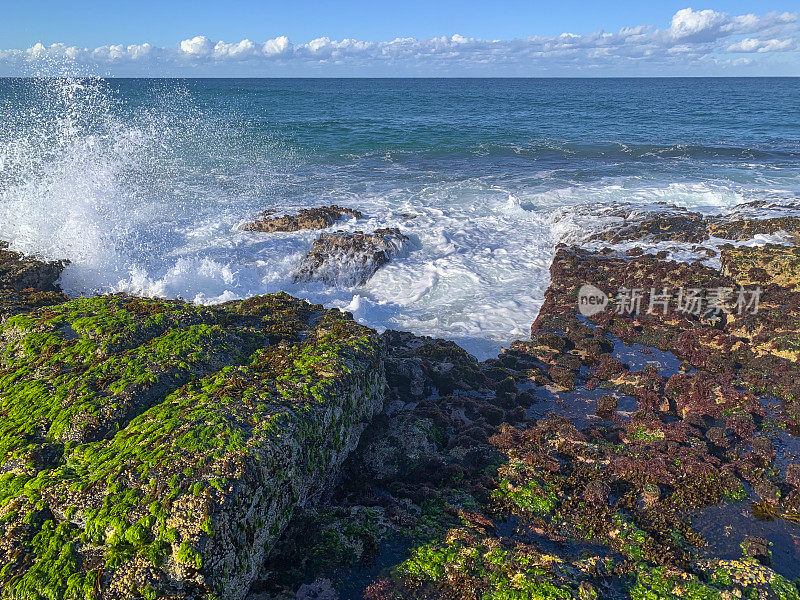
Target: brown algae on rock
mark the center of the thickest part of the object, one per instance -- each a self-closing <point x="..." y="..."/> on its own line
<point x="307" y="218"/>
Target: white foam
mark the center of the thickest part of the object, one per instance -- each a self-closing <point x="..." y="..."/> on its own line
<point x="133" y="214"/>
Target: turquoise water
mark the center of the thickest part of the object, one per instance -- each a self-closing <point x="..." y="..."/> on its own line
<point x="142" y="183"/>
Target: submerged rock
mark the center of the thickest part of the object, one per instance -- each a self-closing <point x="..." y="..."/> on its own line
<point x="307" y="218"/>
<point x="349" y="258"/>
<point x="156" y="449"/>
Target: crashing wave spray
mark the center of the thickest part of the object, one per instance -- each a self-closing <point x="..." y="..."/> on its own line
<point x="77" y="172"/>
<point x="141" y="184"/>
<point x="62" y="178"/>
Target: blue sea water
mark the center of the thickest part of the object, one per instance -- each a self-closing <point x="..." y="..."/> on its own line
<point x="142" y="183"/>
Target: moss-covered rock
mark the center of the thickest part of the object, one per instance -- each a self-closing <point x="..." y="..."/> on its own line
<point x="763" y="265"/>
<point x="152" y="448"/>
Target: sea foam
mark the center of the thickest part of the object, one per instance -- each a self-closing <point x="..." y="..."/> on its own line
<point x="143" y="191"/>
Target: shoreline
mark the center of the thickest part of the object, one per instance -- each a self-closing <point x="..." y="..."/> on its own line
<point x="593" y="460"/>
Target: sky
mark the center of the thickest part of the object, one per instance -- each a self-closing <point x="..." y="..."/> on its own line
<point x="409" y="38"/>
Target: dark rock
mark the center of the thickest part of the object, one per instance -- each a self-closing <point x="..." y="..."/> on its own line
<point x="27" y="283"/>
<point x="349" y="258"/>
<point x="307" y="218"/>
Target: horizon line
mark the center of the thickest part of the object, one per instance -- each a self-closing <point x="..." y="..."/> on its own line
<point x="413" y="77"/>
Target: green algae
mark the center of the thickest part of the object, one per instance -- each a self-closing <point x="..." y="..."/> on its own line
<point x="470" y="567"/>
<point x="54" y="570"/>
<point x="530" y="497"/>
<point x="117" y="410"/>
<point x="716" y="580"/>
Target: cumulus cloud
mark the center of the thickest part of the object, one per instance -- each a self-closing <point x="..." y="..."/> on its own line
<point x="693" y="38"/>
<point x="697" y="24"/>
<point x="756" y="45"/>
<point x="197" y="46"/>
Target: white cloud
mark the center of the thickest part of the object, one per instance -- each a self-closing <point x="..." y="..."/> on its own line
<point x="242" y="49"/>
<point x="756" y="45"/>
<point x="140" y="51"/>
<point x="275" y="47"/>
<point x="197" y="46"/>
<point x="688" y="23"/>
<point x="693" y="38"/>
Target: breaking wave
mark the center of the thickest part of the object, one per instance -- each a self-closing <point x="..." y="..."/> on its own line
<point x="141" y="185"/>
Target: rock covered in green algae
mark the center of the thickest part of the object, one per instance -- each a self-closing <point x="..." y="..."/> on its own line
<point x="152" y="448"/>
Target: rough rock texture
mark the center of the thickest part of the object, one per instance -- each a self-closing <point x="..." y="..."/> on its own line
<point x="308" y="218"/>
<point x="657" y="459"/>
<point x="681" y="484"/>
<point x="675" y="225"/>
<point x="744" y="229"/>
<point x="423" y="466"/>
<point x="349" y="258"/>
<point x="680" y="225"/>
<point x="156" y="449"/>
<point x="26" y="283"/>
<point x="648" y="454"/>
<point x="763" y="265"/>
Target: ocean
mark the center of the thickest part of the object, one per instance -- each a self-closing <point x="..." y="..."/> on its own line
<point x="142" y="183"/>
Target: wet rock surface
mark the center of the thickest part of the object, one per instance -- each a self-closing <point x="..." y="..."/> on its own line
<point x="647" y="451"/>
<point x="349" y="258"/>
<point x="27" y="283"/>
<point x="679" y="225"/>
<point x="308" y="218"/>
<point x="156" y="449"/>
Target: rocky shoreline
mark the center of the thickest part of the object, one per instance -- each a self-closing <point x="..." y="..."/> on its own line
<point x="271" y="449"/>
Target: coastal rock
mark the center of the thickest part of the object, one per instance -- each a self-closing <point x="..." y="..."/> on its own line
<point x="27" y="283"/>
<point x="153" y="448"/>
<point x="349" y="258"/>
<point x="745" y="229"/>
<point x="19" y="272"/>
<point x="678" y="225"/>
<point x="418" y="469"/>
<point x="674" y="435"/>
<point x="763" y="265"/>
<point x="157" y="449"/>
<point x="307" y="218"/>
<point x="673" y="225"/>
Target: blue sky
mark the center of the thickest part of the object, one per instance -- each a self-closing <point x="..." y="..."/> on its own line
<point x="302" y="38"/>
